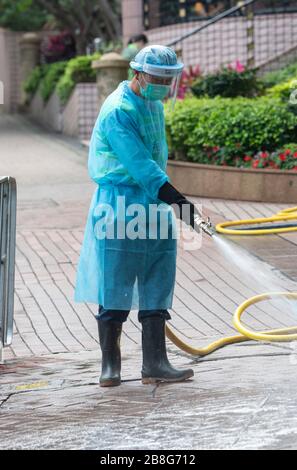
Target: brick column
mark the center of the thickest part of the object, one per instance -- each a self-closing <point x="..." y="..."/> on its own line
<point x="111" y="69"/>
<point x="132" y="18"/>
<point x="250" y="30"/>
<point x="29" y="46"/>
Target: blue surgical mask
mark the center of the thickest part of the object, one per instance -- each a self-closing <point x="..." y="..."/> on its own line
<point x="154" y="92"/>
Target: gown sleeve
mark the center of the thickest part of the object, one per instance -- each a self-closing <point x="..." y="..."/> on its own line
<point x="124" y="139"/>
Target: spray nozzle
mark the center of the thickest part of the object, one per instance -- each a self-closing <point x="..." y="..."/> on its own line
<point x="205" y="225"/>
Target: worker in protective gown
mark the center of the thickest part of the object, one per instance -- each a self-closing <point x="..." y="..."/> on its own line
<point x="125" y="265"/>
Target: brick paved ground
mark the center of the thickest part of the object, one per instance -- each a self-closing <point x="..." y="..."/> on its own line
<point x="208" y="290"/>
<point x="241" y="396"/>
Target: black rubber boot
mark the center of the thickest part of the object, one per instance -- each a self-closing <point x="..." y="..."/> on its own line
<point x="109" y="337"/>
<point x="155" y="365"/>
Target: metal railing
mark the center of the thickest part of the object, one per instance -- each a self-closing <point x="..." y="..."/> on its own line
<point x="253" y="32"/>
<point x="244" y="8"/>
<point x="7" y="258"/>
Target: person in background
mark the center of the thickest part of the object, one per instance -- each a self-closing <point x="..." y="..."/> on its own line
<point x="199" y="9"/>
<point x="135" y="44"/>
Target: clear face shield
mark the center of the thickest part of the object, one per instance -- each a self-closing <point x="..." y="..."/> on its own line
<point x="160" y="82"/>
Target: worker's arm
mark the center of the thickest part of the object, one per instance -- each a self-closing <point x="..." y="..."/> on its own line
<point x="185" y="208"/>
<point x="123" y="137"/>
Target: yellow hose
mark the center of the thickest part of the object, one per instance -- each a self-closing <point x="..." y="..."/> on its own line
<point x="283" y="334"/>
<point x="284" y="215"/>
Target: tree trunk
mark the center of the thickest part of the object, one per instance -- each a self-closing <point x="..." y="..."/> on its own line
<point x="81" y="44"/>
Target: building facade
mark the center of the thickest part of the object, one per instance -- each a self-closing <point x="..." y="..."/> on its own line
<point x="255" y="35"/>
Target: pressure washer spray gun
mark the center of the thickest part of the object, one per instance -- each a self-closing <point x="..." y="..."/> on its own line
<point x="205" y="225"/>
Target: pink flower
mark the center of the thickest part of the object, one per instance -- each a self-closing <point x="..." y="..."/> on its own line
<point x="247" y="158"/>
<point x="283" y="157"/>
<point x="239" y="67"/>
<point x="184" y="75"/>
<point x="256" y="163"/>
<point x="196" y="71"/>
<point x="264" y="155"/>
<point x="181" y="92"/>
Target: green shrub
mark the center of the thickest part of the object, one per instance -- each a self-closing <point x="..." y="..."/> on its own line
<point x="78" y="70"/>
<point x="227" y="83"/>
<point x="271" y="79"/>
<point x="32" y="83"/>
<point x="51" y="78"/>
<point x="283" y="90"/>
<point x="235" y="127"/>
<point x="287" y="92"/>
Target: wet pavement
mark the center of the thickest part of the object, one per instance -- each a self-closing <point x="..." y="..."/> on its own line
<point x="241" y="397"/>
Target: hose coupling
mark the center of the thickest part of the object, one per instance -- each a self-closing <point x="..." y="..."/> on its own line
<point x="204" y="225"/>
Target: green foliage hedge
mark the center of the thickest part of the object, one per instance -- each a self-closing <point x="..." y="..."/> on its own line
<point x="235" y="126"/>
<point x="228" y="83"/>
<point x="34" y="79"/>
<point x="51" y="78"/>
<point x="78" y="70"/>
<point x="62" y="76"/>
<point x="283" y="90"/>
<point x="271" y="79"/>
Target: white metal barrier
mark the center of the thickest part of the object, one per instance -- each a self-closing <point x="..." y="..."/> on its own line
<point x="7" y="258"/>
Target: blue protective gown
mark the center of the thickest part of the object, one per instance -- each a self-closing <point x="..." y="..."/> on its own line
<point x="128" y="157"/>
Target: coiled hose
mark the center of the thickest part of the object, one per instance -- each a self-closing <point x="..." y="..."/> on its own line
<point x="279" y="335"/>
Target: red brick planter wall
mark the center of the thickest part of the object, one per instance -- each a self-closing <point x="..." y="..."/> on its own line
<point x="234" y="183"/>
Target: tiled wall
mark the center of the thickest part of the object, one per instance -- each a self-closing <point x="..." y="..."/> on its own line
<point x="225" y="41"/>
<point x="10" y="68"/>
<point x="81" y="111"/>
<point x="88" y="108"/>
<point x="221" y="43"/>
<point x="76" y="119"/>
